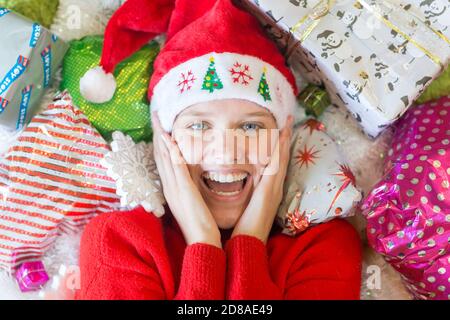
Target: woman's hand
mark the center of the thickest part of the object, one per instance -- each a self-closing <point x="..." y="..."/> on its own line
<point x="259" y="215"/>
<point x="180" y="192"/>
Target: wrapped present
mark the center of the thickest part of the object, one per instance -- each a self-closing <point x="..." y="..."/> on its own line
<point x="30" y="56"/>
<point x="319" y="186"/>
<point x="372" y="56"/>
<point x="314" y="99"/>
<point x="128" y="110"/>
<point x="31" y="276"/>
<point x="51" y="182"/>
<point x="42" y="12"/>
<point x="408" y="211"/>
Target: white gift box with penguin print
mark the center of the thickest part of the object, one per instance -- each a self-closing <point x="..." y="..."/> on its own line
<point x="374" y="57"/>
<point x="29" y="57"/>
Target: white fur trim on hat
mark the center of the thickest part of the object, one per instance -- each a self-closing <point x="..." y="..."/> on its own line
<point x="182" y="86"/>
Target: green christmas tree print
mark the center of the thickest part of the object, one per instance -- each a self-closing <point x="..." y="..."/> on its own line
<point x="212" y="81"/>
<point x="264" y="87"/>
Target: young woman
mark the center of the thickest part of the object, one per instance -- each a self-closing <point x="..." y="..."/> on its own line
<point x="217" y="239"/>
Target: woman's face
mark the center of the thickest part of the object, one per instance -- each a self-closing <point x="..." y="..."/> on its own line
<point x="226" y="144"/>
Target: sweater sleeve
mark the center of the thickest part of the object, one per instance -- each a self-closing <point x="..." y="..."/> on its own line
<point x="323" y="263"/>
<point x="124" y="257"/>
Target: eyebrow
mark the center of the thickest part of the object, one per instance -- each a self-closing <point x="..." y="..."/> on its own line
<point x="254" y="114"/>
<point x="259" y="114"/>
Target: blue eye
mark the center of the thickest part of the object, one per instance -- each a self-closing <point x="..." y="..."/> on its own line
<point x="199" y="126"/>
<point x="251" y="126"/>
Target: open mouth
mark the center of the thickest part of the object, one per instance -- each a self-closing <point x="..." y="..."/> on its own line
<point x="226" y="184"/>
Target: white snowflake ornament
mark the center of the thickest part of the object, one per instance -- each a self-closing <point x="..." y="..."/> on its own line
<point x="133" y="168"/>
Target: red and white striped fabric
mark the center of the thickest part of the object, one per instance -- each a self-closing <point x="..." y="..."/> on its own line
<point x="51" y="182"/>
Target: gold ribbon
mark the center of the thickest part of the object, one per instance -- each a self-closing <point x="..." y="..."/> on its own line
<point x="319" y="11"/>
<point x="323" y="8"/>
<point x="380" y="17"/>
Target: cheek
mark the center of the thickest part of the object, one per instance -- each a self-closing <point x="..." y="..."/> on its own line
<point x="260" y="148"/>
<point x="195" y="172"/>
<point x="190" y="147"/>
<point x="257" y="151"/>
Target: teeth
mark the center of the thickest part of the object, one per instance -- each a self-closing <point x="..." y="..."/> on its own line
<point x="225" y="178"/>
<point x="226" y="193"/>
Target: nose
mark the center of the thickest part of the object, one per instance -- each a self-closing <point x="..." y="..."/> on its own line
<point x="223" y="147"/>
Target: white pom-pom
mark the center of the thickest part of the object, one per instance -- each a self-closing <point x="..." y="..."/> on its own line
<point x="97" y="86"/>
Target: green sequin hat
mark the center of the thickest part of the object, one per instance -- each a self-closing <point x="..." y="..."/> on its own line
<point x="213" y="51"/>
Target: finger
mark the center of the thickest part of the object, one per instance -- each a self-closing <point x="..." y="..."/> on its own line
<point x="285" y="148"/>
<point x="268" y="173"/>
<point x="258" y="177"/>
<point x="156" y="123"/>
<point x="172" y="159"/>
<point x="164" y="172"/>
<point x="277" y="166"/>
<point x="161" y="153"/>
<point x="283" y="135"/>
<point x="158" y="134"/>
<point x="287" y="130"/>
<point x="284" y="156"/>
<point x="163" y="163"/>
<point x="179" y="166"/>
<point x="156" y="127"/>
<point x="284" y="163"/>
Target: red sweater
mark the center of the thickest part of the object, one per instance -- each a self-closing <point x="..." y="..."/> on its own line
<point x="134" y="255"/>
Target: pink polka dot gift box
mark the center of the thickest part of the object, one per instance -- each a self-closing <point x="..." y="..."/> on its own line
<point x="408" y="212"/>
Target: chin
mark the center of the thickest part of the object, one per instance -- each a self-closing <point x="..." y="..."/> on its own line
<point x="227" y="220"/>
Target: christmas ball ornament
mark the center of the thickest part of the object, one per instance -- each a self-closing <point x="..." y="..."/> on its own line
<point x="128" y="108"/>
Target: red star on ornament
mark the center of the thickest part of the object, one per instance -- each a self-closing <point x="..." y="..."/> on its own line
<point x="313" y="124"/>
<point x="296" y="221"/>
<point x="347" y="179"/>
<point x="306" y="157"/>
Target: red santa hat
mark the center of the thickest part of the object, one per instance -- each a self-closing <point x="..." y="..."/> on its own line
<point x="213" y="51"/>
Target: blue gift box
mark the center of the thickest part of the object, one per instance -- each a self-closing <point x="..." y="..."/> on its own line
<point x="29" y="57"/>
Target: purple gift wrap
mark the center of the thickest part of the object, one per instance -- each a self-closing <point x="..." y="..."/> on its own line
<point x="408" y="212"/>
<point x="31" y="276"/>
